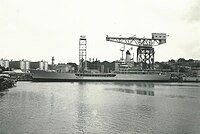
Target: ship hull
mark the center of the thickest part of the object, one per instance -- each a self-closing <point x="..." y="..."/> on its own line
<point x="191" y="79"/>
<point x="44" y="76"/>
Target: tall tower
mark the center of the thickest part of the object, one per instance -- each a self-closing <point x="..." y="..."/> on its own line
<point x="52" y="60"/>
<point x="82" y="54"/>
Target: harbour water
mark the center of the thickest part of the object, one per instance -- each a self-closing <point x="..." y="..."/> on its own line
<point x="92" y="107"/>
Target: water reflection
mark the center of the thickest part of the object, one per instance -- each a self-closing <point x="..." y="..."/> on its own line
<point x="140" y="92"/>
<point x="2" y="94"/>
<point x="146" y="85"/>
<point x="144" y="92"/>
<point x="181" y="96"/>
<point x="137" y="84"/>
<point x="52" y="100"/>
<point x="82" y="110"/>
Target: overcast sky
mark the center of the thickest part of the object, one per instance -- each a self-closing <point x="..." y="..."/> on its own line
<point x="39" y="29"/>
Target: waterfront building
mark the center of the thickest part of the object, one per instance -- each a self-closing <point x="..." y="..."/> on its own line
<point x="64" y="68"/>
<point x="40" y="65"/>
<point x="23" y="65"/>
<point x="51" y="67"/>
<point x="102" y="69"/>
<point x="27" y="66"/>
<point x="73" y="66"/>
<point x="35" y="65"/>
<point x="45" y="64"/>
<point x="4" y="62"/>
<point x="196" y="71"/>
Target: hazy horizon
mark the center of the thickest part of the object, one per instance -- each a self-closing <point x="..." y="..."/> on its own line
<point x="37" y="30"/>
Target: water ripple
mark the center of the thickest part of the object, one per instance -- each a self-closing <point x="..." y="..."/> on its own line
<point x="100" y="108"/>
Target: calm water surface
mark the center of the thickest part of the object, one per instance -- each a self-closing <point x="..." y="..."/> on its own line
<point x="62" y="108"/>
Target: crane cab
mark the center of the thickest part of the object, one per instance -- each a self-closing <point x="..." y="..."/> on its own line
<point x="160" y="36"/>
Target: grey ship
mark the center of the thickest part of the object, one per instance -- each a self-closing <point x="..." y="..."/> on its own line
<point x="124" y="74"/>
<point x="42" y="76"/>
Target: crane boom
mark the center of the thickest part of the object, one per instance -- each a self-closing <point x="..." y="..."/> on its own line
<point x="145" y="50"/>
<point x="138" y="42"/>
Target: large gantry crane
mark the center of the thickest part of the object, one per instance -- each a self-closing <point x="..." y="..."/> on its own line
<point x="145" y="50"/>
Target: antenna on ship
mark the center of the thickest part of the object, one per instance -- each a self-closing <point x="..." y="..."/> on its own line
<point x="122" y="50"/>
<point x="82" y="54"/>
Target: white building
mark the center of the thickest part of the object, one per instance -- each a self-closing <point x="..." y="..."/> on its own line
<point x="4" y="63"/>
<point x="27" y="65"/>
<point x="45" y="64"/>
<point x="23" y="65"/>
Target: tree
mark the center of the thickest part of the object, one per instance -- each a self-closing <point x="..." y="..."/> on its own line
<point x="181" y="60"/>
<point x="172" y="61"/>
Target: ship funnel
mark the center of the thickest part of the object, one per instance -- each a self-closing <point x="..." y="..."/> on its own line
<point x="128" y="56"/>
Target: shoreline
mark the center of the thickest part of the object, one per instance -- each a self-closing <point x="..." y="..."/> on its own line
<point x="6" y="83"/>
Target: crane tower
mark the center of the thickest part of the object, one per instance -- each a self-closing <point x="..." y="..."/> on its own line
<point x="82" y="54"/>
<point x="145" y="50"/>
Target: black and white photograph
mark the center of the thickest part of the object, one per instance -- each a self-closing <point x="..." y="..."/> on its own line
<point x="99" y="67"/>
